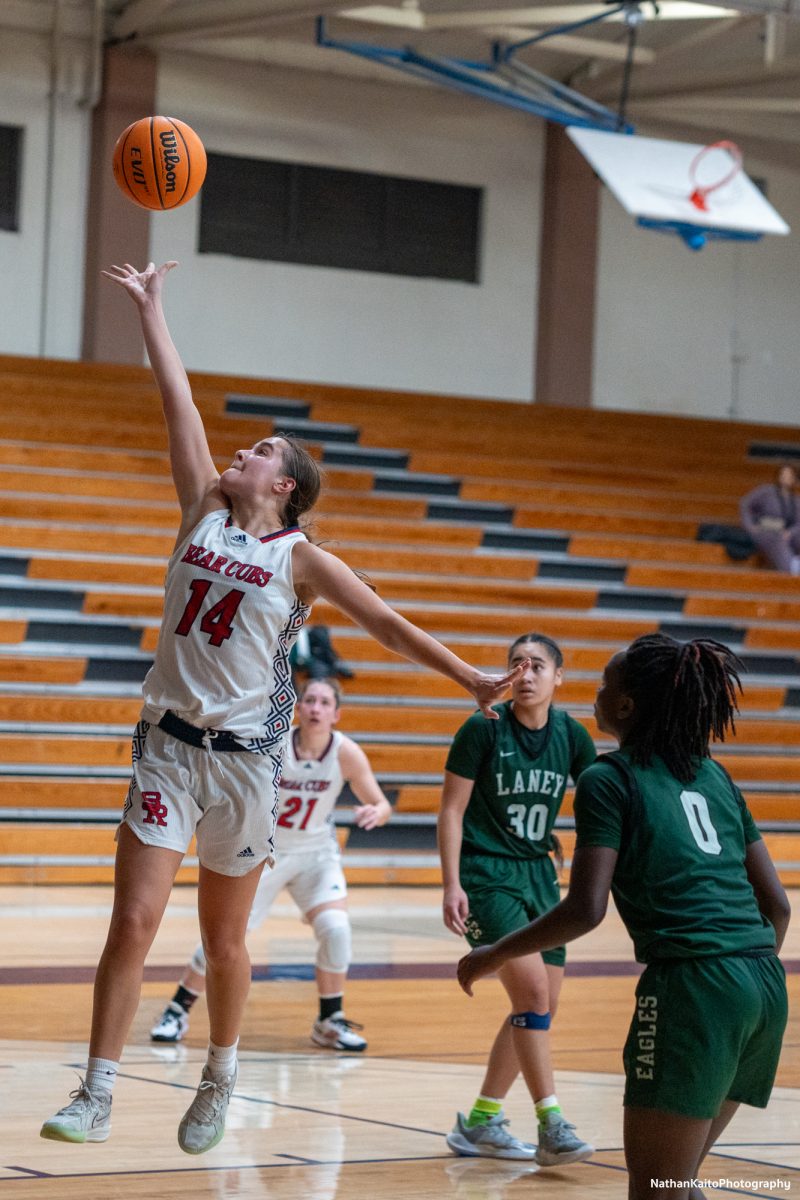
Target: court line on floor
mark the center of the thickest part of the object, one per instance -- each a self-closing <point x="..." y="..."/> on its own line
<point x="756" y="1162"/>
<point x="317" y="1112"/>
<point x="304" y="972"/>
<point x="276" y="1104"/>
<point x="266" y="1166"/>
<point x="433" y="1133"/>
<point x="594" y="1163"/>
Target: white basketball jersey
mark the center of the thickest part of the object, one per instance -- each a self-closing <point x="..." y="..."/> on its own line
<point x="307" y="794"/>
<point x="230" y="618"/>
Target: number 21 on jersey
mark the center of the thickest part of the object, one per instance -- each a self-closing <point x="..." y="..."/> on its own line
<point x="292" y="809"/>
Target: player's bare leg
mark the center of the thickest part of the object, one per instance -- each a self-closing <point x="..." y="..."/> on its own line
<point x="143" y="878"/>
<point x="223" y="904"/>
<point x="662" y="1146"/>
<point x="726" y="1115"/>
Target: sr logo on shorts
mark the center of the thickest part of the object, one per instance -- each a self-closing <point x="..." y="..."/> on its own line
<point x="155" y="811"/>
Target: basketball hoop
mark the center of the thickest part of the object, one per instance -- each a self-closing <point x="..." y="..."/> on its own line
<point x="680" y="187"/>
<point x="702" y="190"/>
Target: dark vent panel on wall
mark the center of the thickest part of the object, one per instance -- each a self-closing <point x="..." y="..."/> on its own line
<point x="353" y="220"/>
<point x="10" y="174"/>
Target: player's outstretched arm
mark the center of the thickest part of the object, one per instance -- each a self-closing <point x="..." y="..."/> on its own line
<point x="581" y="910"/>
<point x="193" y="468"/>
<point x="374" y="809"/>
<point x="318" y="573"/>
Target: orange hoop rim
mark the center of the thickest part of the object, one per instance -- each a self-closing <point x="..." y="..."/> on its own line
<point x="700" y="191"/>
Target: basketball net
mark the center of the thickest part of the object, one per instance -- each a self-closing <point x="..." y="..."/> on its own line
<point x="702" y="190"/>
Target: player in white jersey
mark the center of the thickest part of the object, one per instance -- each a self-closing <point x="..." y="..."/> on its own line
<point x="318" y="762"/>
<point x="218" y="704"/>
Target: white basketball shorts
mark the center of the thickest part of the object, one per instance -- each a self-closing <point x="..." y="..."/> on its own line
<point x="312" y="877"/>
<point x="228" y="800"/>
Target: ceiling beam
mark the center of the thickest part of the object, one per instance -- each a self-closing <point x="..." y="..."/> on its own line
<point x="783" y="127"/>
<point x="704" y="36"/>
<point x="566" y="43"/>
<point x="772" y="105"/>
<point x="386" y="14"/>
<point x="693" y="82"/>
<point x="584" y="47"/>
<point x="682" y="46"/>
<point x="789" y="8"/>
<point x="765" y="145"/>
<point x="563" y="14"/>
<point x="224" y="21"/>
<point x="560" y="14"/>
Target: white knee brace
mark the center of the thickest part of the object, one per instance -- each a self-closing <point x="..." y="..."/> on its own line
<point x="198" y="960"/>
<point x="334" y="941"/>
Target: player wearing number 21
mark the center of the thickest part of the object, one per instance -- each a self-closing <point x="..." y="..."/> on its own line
<point x="503" y="788"/>
<point x="318" y="762"/>
<point x="218" y="703"/>
<point x="662" y="825"/>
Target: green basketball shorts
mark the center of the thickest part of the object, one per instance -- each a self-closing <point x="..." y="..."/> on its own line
<point x="507" y="893"/>
<point x="705" y="1030"/>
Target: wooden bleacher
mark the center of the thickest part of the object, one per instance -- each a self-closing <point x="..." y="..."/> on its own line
<point x="479" y="528"/>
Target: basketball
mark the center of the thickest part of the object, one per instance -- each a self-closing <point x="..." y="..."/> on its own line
<point x="159" y="163"/>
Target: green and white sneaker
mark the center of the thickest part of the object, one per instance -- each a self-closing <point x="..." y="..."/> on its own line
<point x="558" y="1142"/>
<point x="491" y="1139"/>
<point x="203" y="1125"/>
<point x="86" y="1119"/>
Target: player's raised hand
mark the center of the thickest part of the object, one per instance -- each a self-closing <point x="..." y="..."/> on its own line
<point x="141" y="286"/>
<point x="479" y="963"/>
<point x="488" y="689"/>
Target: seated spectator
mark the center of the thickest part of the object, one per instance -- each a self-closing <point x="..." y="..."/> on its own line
<point x="771" y="515"/>
<point x="313" y="653"/>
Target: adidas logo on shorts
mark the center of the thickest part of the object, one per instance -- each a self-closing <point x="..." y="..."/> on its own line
<point x="246" y="853"/>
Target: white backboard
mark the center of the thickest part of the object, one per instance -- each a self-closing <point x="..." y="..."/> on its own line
<point x="651" y="177"/>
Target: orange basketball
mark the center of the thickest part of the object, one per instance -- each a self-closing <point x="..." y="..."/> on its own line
<point x="159" y="162"/>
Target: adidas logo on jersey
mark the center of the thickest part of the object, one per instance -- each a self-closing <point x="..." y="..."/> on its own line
<point x="241" y="539"/>
<point x="246" y="853"/>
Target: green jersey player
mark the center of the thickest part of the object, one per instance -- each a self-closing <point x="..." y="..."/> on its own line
<point x="662" y="826"/>
<point x="504" y="784"/>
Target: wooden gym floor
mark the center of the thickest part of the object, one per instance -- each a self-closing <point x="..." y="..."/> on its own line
<point x="306" y="1124"/>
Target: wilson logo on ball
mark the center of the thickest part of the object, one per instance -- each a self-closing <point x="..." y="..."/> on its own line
<point x="159" y="163"/>
<point x="171" y="158"/>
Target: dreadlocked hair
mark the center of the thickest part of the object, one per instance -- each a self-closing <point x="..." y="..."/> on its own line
<point x="301" y="467"/>
<point x="684" y="694"/>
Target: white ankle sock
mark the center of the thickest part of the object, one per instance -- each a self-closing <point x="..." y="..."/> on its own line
<point x="101" y="1073"/>
<point x="221" y="1059"/>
